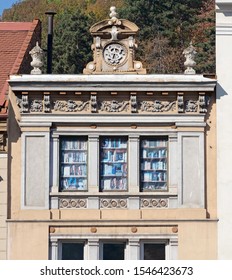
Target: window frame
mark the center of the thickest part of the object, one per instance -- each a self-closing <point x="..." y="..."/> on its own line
<point x="77" y="138"/>
<point x="141" y="158"/>
<point x="101" y="162"/>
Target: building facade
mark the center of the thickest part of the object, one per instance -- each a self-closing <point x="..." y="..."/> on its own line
<point x="114" y="163"/>
<point x="16" y="40"/>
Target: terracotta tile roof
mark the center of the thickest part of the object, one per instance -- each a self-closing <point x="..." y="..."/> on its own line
<point x="16" y="40"/>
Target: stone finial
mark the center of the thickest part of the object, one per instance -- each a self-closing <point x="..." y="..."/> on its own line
<point x="189" y="54"/>
<point x="113" y="17"/>
<point x="113" y="13"/>
<point x="37" y="57"/>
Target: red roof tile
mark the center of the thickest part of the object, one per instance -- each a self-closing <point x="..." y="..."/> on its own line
<point x="16" y="40"/>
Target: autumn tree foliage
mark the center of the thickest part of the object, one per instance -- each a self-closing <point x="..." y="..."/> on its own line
<point x="166" y="29"/>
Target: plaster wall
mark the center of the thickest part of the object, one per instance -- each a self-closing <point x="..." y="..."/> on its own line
<point x="224" y="128"/>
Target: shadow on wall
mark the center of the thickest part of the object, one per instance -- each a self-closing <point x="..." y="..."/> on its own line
<point x="220" y="92"/>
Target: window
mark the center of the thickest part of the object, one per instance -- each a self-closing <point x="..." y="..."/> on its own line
<point x="153" y="251"/>
<point x="72" y="251"/>
<point x="153" y="164"/>
<point x="114" y="251"/>
<point x="73" y="164"/>
<point x="113" y="164"/>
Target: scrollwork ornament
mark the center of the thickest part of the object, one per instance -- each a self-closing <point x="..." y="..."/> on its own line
<point x="114" y="106"/>
<point x="158" y="106"/>
<point x="36" y="106"/>
<point x="70" y="106"/>
<point x="191" y="106"/>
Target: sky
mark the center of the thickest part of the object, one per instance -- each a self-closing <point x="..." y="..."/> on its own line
<point x="5" y="4"/>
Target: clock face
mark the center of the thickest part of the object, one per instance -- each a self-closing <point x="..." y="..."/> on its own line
<point x="114" y="54"/>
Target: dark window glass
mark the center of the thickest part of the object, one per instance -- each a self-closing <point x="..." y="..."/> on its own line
<point x="72" y="251"/>
<point x="113" y="251"/>
<point x="154" y="251"/>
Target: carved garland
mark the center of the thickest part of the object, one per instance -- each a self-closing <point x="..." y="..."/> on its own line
<point x="36" y="106"/>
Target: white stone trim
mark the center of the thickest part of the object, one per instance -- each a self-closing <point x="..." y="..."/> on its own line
<point x="133" y="250"/>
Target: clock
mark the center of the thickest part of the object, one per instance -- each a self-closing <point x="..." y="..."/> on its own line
<point x="115" y="54"/>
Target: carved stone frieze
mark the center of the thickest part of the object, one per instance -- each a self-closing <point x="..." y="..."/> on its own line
<point x="70" y="106"/>
<point x="114" y="106"/>
<point x="191" y="106"/>
<point x="154" y="203"/>
<point x="158" y="106"/>
<point x="36" y="106"/>
<point x="113" y="203"/>
<point x="72" y="203"/>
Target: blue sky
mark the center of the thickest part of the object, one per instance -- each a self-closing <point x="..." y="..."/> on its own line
<point x="5" y="4"/>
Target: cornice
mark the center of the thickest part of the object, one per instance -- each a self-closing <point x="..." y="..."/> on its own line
<point x="111" y="83"/>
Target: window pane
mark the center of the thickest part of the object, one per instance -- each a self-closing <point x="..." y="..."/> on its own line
<point x="73" y="163"/>
<point x="113" y="251"/>
<point x="154" y="251"/>
<point x="153" y="164"/>
<point x="113" y="163"/>
<point x="72" y="251"/>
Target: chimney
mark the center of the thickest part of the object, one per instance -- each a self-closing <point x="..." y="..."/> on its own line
<point x="49" y="40"/>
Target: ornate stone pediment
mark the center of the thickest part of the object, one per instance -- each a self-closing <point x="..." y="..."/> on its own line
<point x="114" y="47"/>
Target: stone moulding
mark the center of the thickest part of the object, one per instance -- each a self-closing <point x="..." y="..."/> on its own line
<point x="154" y="203"/>
<point x="113" y="203"/>
<point x="72" y="203"/>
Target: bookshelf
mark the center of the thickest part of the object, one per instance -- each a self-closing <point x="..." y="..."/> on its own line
<point x="73" y="163"/>
<point x="153" y="165"/>
<point x="113" y="164"/>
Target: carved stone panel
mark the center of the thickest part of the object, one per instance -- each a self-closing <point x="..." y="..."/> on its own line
<point x="72" y="203"/>
<point x="191" y="106"/>
<point x="113" y="203"/>
<point x="70" y="105"/>
<point x="154" y="203"/>
<point x="36" y="105"/>
<point x="157" y="106"/>
<point x="114" y="106"/>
